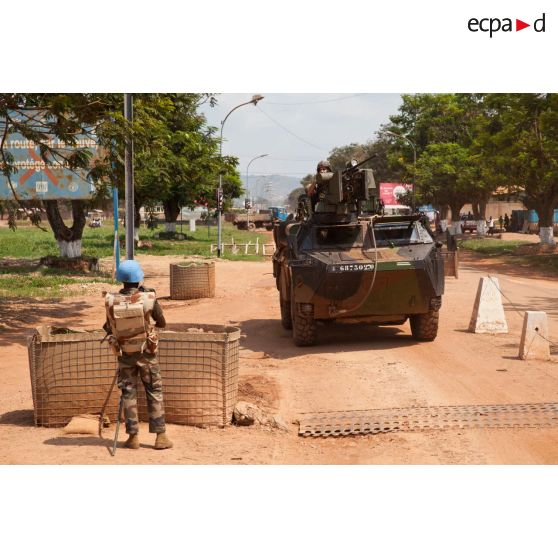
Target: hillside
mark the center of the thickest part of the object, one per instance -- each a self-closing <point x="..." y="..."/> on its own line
<point x="275" y="187"/>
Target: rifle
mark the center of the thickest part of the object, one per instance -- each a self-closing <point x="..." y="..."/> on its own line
<point x="120" y="405"/>
<point x="102" y="413"/>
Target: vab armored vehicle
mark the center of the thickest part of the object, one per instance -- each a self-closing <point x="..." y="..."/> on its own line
<point x="340" y="260"/>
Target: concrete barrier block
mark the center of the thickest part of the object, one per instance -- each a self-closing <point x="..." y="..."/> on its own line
<point x="488" y="312"/>
<point x="534" y="337"/>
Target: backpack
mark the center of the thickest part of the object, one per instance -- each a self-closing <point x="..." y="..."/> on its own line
<point x="129" y="316"/>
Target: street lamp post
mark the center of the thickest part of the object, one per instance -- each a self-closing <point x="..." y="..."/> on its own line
<point x="254" y="101"/>
<point x="129" y="178"/>
<point x="247" y="190"/>
<point x="414" y="161"/>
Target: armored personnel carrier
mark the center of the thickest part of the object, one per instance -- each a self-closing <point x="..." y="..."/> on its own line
<point x="340" y="260"/>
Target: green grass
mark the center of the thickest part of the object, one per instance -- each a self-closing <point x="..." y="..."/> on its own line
<point x="41" y="283"/>
<point x="492" y="248"/>
<point x="506" y="250"/>
<point x="30" y="242"/>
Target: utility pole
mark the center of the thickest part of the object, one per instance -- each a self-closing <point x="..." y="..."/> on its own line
<point x="129" y="178"/>
<point x="248" y="190"/>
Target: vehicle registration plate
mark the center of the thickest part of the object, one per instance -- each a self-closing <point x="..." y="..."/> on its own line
<point x="341" y="268"/>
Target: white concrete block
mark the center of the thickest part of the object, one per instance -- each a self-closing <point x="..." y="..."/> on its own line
<point x="192" y="225"/>
<point x="546" y="234"/>
<point x="455" y="228"/>
<point x="534" y="337"/>
<point x="481" y="227"/>
<point x="488" y="312"/>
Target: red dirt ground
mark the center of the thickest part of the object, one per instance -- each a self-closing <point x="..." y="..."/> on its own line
<point x="350" y="368"/>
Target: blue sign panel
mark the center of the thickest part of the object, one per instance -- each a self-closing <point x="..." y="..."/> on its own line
<point x="36" y="179"/>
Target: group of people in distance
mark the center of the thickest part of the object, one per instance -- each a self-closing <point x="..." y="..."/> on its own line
<point x="504" y="222"/>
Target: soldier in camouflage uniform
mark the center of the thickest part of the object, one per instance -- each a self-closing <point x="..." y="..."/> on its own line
<point x="132" y="336"/>
<point x="312" y="187"/>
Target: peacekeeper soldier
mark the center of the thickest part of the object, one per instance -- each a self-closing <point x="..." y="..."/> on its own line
<point x="312" y="187"/>
<point x="135" y="342"/>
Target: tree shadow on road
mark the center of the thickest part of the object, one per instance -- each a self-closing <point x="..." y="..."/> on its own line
<point x="270" y="337"/>
<point x="546" y="304"/>
<point x="20" y="316"/>
<point x="512" y="265"/>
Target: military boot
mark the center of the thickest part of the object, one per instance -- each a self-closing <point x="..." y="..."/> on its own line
<point x="132" y="442"/>
<point x="162" y="441"/>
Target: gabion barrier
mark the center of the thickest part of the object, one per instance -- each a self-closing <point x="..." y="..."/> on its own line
<point x="72" y="372"/>
<point x="192" y="280"/>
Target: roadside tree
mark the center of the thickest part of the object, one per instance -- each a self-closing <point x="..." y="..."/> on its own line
<point x="41" y="118"/>
<point x="521" y="139"/>
<point x="444" y="119"/>
<point x="384" y="170"/>
<point x="176" y="155"/>
<point x="447" y="174"/>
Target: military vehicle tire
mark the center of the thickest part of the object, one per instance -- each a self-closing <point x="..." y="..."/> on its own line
<point x="286" y="318"/>
<point x="304" y="328"/>
<point x="425" y="326"/>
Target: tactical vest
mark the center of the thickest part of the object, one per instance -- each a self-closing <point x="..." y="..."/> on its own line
<point x="129" y="318"/>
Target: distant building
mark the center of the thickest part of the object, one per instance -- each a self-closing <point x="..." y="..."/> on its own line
<point x="504" y="199"/>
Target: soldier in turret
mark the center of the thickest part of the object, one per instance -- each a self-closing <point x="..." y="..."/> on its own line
<point x="129" y="313"/>
<point x="312" y="187"/>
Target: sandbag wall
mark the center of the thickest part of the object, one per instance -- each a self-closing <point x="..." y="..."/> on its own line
<point x="71" y="374"/>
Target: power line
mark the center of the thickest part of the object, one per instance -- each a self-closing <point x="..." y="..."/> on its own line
<point x="282" y="173"/>
<point x="290" y="132"/>
<point x="318" y="102"/>
<point x="281" y="159"/>
<point x="294" y="160"/>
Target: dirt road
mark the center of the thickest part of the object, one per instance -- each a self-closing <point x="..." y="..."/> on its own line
<point x="351" y="368"/>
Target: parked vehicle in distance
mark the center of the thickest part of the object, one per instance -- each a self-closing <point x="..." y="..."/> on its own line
<point x="468" y="223"/>
<point x="262" y="219"/>
<point x="95" y="223"/>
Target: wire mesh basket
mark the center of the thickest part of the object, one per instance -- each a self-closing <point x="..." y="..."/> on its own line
<point x="192" y="280"/>
<point x="72" y="372"/>
<point x="199" y="367"/>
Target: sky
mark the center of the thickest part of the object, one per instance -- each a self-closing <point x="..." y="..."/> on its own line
<point x="297" y="130"/>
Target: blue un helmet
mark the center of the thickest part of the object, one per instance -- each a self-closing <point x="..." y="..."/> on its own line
<point x="129" y="271"/>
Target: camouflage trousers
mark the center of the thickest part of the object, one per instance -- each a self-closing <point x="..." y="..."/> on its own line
<point x="147" y="367"/>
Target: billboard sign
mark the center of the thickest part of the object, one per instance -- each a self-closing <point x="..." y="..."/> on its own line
<point x="389" y="192"/>
<point x="36" y="179"/>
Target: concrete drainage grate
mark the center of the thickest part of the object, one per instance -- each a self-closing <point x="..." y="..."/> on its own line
<point x="377" y="421"/>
